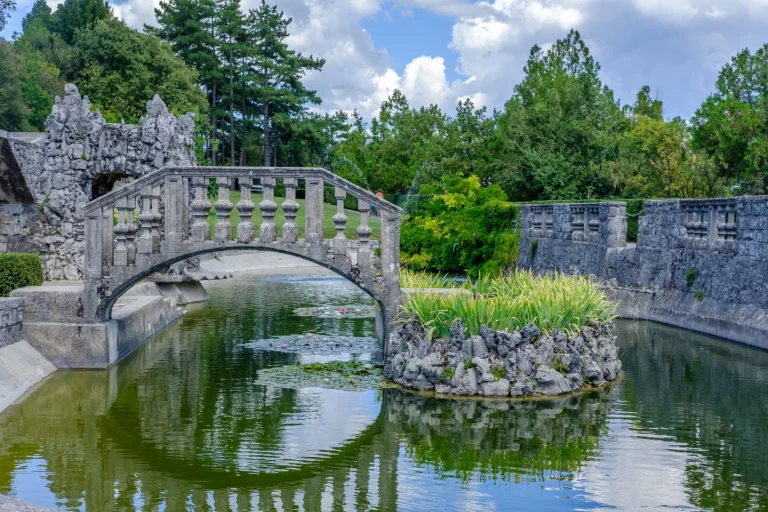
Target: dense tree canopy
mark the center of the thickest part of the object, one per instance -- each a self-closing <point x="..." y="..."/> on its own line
<point x="561" y="135"/>
<point x="123" y="68"/>
<point x="732" y="124"/>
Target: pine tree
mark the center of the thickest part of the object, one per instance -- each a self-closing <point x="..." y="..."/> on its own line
<point x="191" y="28"/>
<point x="279" y="70"/>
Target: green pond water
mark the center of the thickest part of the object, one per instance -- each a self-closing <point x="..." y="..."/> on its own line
<point x="184" y="424"/>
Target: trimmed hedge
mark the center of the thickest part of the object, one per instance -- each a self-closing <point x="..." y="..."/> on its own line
<point x="18" y="270"/>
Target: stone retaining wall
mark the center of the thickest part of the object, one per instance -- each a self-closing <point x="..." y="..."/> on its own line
<point x="707" y="255"/>
<point x="77" y="158"/>
<point x="11" y="317"/>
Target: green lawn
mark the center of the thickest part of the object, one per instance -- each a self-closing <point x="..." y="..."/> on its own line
<point x="329" y="228"/>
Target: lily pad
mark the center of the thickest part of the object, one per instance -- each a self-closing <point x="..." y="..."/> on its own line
<point x="352" y="311"/>
<point x="348" y="376"/>
<point x="318" y="344"/>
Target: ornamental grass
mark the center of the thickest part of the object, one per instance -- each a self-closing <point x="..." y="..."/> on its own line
<point x="507" y="303"/>
<point x="415" y="279"/>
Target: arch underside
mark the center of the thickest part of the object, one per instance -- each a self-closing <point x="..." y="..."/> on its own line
<point x="119" y="284"/>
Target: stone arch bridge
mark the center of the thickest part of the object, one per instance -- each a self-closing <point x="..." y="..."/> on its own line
<point x="172" y="225"/>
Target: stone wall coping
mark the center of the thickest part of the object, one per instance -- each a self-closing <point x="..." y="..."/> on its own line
<point x="11" y="302"/>
<point x="159" y="176"/>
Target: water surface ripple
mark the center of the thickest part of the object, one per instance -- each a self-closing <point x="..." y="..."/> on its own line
<point x="184" y="424"/>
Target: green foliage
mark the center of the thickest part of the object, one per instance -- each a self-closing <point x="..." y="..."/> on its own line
<point x="13" y="110"/>
<point x="731" y="125"/>
<point x="559" y="365"/>
<point x="699" y="295"/>
<point x="416" y="279"/>
<point x="691" y="274"/>
<point x="6" y="6"/>
<point x="556" y="301"/>
<point x="75" y="15"/>
<point x="498" y="372"/>
<point x="448" y="374"/>
<point x="561" y="128"/>
<point x="534" y="247"/>
<point x="468" y="364"/>
<point x="466" y="228"/>
<point x="123" y="69"/>
<point x="18" y="270"/>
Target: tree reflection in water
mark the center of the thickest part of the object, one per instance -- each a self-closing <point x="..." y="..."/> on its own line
<point x="183" y="424"/>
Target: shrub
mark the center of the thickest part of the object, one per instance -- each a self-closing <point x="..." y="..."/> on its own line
<point x="464" y="228"/>
<point x="498" y="372"/>
<point x="447" y="374"/>
<point x="554" y="301"/>
<point x="691" y="274"/>
<point x="699" y="295"/>
<point x="18" y="270"/>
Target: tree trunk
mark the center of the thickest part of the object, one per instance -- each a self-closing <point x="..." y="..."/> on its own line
<point x="266" y="135"/>
<point x="242" y="134"/>
<point x="213" y="125"/>
<point x="231" y="124"/>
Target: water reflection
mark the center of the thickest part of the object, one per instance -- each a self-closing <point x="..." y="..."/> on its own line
<point x="183" y="424"/>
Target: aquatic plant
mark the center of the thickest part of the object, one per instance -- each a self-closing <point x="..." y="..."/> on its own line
<point x="418" y="279"/>
<point x="554" y="301"/>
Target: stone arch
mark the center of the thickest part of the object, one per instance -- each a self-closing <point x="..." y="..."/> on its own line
<point x="105" y="182"/>
<point x="104" y="310"/>
<point x="13" y="185"/>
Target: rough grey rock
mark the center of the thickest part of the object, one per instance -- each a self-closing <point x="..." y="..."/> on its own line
<point x="498" y="388"/>
<point x="479" y="349"/>
<point x="81" y="156"/>
<point x="466" y="382"/>
<point x="483" y="367"/>
<point x="529" y="368"/>
<point x="457" y="332"/>
<point x="489" y="337"/>
<point x="529" y="332"/>
<point x="551" y="382"/>
<point x="523" y="387"/>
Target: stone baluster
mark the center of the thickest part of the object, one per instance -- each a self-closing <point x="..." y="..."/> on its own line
<point x="130" y="235"/>
<point x="174" y="214"/>
<point x="107" y="235"/>
<point x="201" y="231"/>
<point x="268" y="208"/>
<point x="291" y="209"/>
<point x="223" y="229"/>
<point x="364" y="260"/>
<point x="245" y="206"/>
<point x="94" y="250"/>
<point x="340" y="220"/>
<point x="144" y="246"/>
<point x="121" y="230"/>
<point x="313" y="217"/>
<point x="156" y="218"/>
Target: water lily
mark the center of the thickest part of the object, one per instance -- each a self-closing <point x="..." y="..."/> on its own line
<point x="343" y="338"/>
<point x="342" y="310"/>
<point x="283" y="346"/>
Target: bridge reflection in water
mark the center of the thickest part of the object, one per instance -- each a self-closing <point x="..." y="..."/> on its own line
<point x="182" y="424"/>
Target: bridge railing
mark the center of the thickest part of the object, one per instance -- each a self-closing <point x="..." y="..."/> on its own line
<point x="173" y="209"/>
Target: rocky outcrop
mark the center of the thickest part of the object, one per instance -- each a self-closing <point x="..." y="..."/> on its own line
<point x="500" y="363"/>
<point x="79" y="158"/>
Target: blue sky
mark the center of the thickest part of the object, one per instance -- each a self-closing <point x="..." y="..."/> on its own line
<point x="441" y="51"/>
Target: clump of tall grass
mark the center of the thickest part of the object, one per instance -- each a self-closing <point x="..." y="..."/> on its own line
<point x="416" y="279"/>
<point x="555" y="301"/>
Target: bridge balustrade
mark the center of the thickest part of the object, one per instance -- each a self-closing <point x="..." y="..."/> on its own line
<point x="163" y="217"/>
